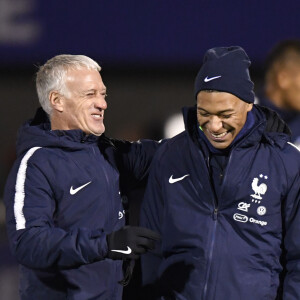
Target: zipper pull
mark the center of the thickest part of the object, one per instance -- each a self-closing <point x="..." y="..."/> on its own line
<point x="215" y="214"/>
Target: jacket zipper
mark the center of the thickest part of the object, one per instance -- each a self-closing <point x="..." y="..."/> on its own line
<point x="213" y="235"/>
<point x="226" y="171"/>
<point x="212" y="243"/>
<point x="215" y="215"/>
<point x="215" y="218"/>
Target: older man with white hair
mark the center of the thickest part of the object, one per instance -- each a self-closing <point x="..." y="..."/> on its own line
<point x="65" y="217"/>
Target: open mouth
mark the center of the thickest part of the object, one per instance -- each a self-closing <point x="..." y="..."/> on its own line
<point x="97" y="116"/>
<point x="218" y="137"/>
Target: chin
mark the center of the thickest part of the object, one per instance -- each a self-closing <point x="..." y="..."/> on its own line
<point x="220" y="145"/>
<point x="97" y="131"/>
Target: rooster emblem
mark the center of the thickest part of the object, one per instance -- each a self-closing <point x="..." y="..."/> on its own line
<point x="258" y="189"/>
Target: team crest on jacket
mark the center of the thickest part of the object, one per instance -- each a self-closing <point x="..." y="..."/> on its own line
<point x="258" y="188"/>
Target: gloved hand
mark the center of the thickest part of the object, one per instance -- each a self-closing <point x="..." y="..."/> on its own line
<point x="130" y="242"/>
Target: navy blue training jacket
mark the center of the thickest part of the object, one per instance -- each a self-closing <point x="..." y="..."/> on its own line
<point x="291" y="117"/>
<point x="243" y="245"/>
<point x="63" y="196"/>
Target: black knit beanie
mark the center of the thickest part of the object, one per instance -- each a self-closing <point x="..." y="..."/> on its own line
<point x="225" y="69"/>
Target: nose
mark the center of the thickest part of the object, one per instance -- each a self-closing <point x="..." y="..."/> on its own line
<point x="101" y="103"/>
<point x="215" y="124"/>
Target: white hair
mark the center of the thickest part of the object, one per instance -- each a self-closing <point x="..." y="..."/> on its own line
<point x="51" y="76"/>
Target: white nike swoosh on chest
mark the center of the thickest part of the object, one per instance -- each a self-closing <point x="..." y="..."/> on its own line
<point x="74" y="191"/>
<point x="173" y="180"/>
<point x="128" y="251"/>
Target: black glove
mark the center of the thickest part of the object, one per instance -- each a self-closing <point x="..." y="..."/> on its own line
<point x="274" y="122"/>
<point x="130" y="242"/>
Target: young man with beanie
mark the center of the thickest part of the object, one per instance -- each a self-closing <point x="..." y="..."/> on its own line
<point x="224" y="195"/>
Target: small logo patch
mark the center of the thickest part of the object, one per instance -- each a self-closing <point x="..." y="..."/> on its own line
<point x="260" y="189"/>
<point x="243" y="206"/>
<point x="74" y="191"/>
<point x="128" y="251"/>
<point x="261" y="210"/>
<point x="173" y="180"/>
<point x="259" y="222"/>
<point x="240" y="218"/>
<point x="121" y="214"/>
<point x="206" y="79"/>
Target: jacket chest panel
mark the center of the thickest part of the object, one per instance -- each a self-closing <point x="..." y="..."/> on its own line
<point x="250" y="201"/>
<point x="187" y="207"/>
<point x="87" y="194"/>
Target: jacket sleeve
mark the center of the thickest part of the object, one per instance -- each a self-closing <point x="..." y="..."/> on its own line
<point x="151" y="217"/>
<point x="133" y="159"/>
<point x="291" y="215"/>
<point x="34" y="238"/>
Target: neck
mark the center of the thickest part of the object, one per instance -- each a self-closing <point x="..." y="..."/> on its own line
<point x="57" y="122"/>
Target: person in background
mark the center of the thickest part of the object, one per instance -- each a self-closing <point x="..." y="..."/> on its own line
<point x="282" y="84"/>
<point x="224" y="196"/>
<point x="64" y="213"/>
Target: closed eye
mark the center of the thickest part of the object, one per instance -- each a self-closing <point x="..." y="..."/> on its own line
<point x="204" y="114"/>
<point x="90" y="93"/>
<point x="225" y="116"/>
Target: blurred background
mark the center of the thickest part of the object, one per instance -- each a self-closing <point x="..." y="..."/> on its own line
<point x="149" y="51"/>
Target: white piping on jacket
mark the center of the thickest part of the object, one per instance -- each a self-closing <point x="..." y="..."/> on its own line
<point x="20" y="190"/>
<point x="293" y="146"/>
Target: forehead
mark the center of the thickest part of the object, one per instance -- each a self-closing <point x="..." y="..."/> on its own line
<point x="218" y="101"/>
<point x="84" y="78"/>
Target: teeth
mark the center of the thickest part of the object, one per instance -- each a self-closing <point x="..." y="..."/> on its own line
<point x="219" y="135"/>
<point x="97" y="116"/>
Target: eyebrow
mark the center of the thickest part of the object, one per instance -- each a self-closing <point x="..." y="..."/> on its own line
<point x="219" y="112"/>
<point x="93" y="90"/>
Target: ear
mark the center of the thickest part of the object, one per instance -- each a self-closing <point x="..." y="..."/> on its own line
<point x="56" y="101"/>
<point x="249" y="106"/>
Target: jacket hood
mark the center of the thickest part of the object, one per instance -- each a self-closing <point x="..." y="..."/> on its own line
<point x="259" y="132"/>
<point x="37" y="132"/>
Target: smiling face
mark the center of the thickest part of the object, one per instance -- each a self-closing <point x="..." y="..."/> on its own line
<point x="82" y="105"/>
<point x="221" y="116"/>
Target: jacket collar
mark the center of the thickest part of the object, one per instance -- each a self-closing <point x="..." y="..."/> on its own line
<point x="42" y="120"/>
<point x="37" y="133"/>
